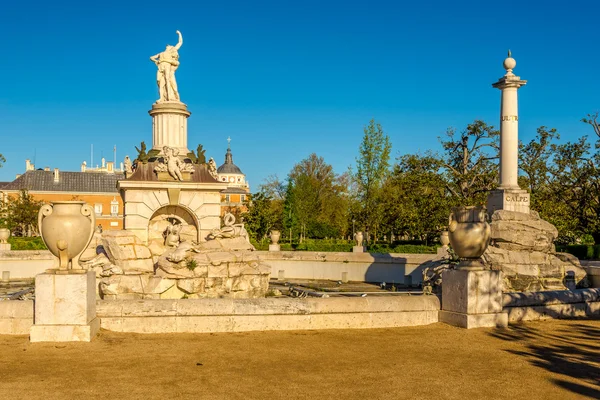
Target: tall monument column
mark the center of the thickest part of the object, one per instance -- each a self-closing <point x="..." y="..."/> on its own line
<point x="509" y="195"/>
<point x="169" y="114"/>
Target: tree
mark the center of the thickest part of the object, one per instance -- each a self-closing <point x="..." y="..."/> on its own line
<point x="416" y="197"/>
<point x="260" y="217"/>
<point x="535" y="160"/>
<point x="2" y="160"/>
<point x="469" y="162"/>
<point x="20" y="214"/>
<point x="372" y="168"/>
<point x="316" y="198"/>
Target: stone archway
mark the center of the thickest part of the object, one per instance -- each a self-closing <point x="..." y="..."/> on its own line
<point x="164" y="216"/>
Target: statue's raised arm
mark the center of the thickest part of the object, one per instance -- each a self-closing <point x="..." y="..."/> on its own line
<point x="180" y="42"/>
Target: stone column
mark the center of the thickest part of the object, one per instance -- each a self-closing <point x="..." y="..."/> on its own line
<point x="509" y="195"/>
<point x="65" y="308"/>
<point x="169" y="126"/>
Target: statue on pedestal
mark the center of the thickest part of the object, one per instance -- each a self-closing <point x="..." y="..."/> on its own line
<point x="167" y="63"/>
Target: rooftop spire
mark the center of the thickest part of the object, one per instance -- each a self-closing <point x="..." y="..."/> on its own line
<point x="228" y="156"/>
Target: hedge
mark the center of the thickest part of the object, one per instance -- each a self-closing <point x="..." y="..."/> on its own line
<point x="26" y="243"/>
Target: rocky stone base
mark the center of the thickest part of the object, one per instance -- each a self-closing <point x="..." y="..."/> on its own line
<point x="522" y="247"/>
<point x="221" y="268"/>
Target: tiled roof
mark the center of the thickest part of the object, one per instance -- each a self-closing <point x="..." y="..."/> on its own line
<point x="3" y="184"/>
<point x="43" y="181"/>
<point x="145" y="172"/>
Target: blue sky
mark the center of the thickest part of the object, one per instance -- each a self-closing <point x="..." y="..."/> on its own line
<point x="286" y="78"/>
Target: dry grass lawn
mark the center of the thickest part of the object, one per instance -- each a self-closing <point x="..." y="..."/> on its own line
<point x="543" y="360"/>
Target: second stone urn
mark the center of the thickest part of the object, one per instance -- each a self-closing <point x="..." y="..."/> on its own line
<point x="469" y="234"/>
<point x="4" y="235"/>
<point x="275" y="235"/>
<point x="358" y="236"/>
<point x="67" y="228"/>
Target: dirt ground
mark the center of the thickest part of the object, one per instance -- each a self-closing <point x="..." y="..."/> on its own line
<point x="543" y="360"/>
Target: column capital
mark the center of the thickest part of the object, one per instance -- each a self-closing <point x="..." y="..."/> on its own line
<point x="509" y="81"/>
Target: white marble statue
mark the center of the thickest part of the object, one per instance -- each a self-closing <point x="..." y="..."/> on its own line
<point x="167" y="63"/>
<point x="172" y="164"/>
<point x="212" y="168"/>
<point x="127" y="165"/>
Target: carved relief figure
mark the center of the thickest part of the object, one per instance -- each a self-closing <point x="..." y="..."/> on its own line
<point x="171" y="234"/>
<point x="212" y="168"/>
<point x="230" y="230"/>
<point x="167" y="63"/>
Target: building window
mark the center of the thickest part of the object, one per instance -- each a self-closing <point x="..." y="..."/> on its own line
<point x="114" y="209"/>
<point x="98" y="209"/>
<point x="227" y="198"/>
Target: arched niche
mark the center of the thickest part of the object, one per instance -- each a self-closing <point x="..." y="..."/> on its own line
<point x="167" y="215"/>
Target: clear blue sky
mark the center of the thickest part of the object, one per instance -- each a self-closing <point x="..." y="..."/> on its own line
<point x="286" y="78"/>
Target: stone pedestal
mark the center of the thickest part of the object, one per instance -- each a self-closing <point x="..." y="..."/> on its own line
<point x="169" y="126"/>
<point x="472" y="299"/>
<point x="358" y="249"/>
<point x="4" y="246"/>
<point x="508" y="199"/>
<point x="274" y="247"/>
<point x="65" y="308"/>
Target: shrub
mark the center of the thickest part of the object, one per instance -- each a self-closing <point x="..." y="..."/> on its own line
<point x="26" y="243"/>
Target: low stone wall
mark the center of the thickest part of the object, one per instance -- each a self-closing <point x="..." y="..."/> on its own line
<point x="16" y="317"/>
<point x="593" y="271"/>
<point x="24" y="264"/>
<point x="557" y="304"/>
<point x="361" y="267"/>
<point x="239" y="315"/>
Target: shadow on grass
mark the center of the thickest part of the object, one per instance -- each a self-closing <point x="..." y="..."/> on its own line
<point x="572" y="351"/>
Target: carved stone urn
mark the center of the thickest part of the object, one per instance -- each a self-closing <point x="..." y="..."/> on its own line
<point x="275" y="235"/>
<point x="4" y="235"/>
<point x="469" y="235"/>
<point x="67" y="228"/>
<point x="358" y="236"/>
<point x="444" y="239"/>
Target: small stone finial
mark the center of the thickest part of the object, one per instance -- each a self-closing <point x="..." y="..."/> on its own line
<point x="509" y="63"/>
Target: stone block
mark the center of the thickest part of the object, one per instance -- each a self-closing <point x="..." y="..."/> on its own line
<point x="274" y="247"/>
<point x="516" y="200"/>
<point x="358" y="249"/>
<point x="4" y="246"/>
<point x="65" y="299"/>
<point x="65" y="308"/>
<point x="472" y="292"/>
<point x="142" y="252"/>
<point x="194" y="285"/>
<point x="64" y="333"/>
<point x="218" y="271"/>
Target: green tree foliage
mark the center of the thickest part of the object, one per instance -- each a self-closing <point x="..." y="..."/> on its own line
<point x="316" y="199"/>
<point x="416" y="198"/>
<point x="372" y="169"/>
<point x="261" y="217"/>
<point x="20" y="214"/>
<point x="2" y="160"/>
<point x="470" y="162"/>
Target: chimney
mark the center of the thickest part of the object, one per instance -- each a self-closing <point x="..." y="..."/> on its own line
<point x="47" y="169"/>
<point x="18" y="176"/>
<point x="83" y="166"/>
<point x="110" y="167"/>
<point x="56" y="176"/>
<point x="29" y="166"/>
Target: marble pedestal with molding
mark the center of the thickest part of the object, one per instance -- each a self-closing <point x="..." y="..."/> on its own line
<point x="358" y="249"/>
<point x="169" y="126"/>
<point x="65" y="308"/>
<point x="508" y="199"/>
<point x="274" y="247"/>
<point x="472" y="299"/>
<point x="4" y="246"/>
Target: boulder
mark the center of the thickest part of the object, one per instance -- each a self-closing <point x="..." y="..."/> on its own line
<point x="126" y="250"/>
<point x="522" y="247"/>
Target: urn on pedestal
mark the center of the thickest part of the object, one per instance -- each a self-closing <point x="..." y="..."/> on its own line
<point x="469" y="235"/>
<point x="275" y="235"/>
<point x="67" y="228"/>
<point x="4" y="235"/>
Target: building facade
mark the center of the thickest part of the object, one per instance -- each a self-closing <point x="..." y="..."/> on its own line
<point x="233" y="199"/>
